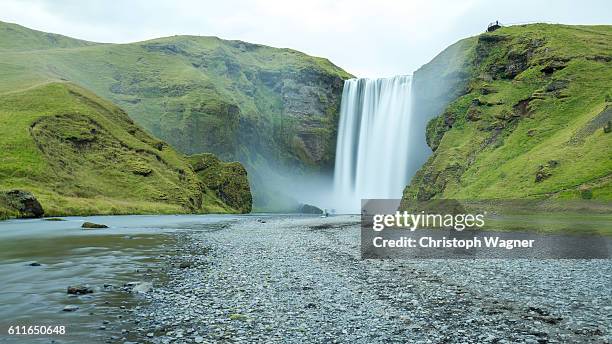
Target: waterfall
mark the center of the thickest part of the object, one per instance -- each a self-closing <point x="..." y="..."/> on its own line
<point x="372" y="152"/>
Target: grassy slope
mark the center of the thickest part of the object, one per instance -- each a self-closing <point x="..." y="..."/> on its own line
<point x="191" y="85"/>
<point x="18" y="38"/>
<point x="494" y="148"/>
<point x="80" y="154"/>
<point x="220" y="178"/>
<point x="268" y="108"/>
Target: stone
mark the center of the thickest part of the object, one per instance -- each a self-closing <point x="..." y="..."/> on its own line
<point x="70" y="308"/>
<point x="310" y="209"/>
<point x="79" y="290"/>
<point x="24" y="202"/>
<point x="91" y="225"/>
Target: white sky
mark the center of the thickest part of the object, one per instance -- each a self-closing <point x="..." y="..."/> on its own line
<point x="369" y="38"/>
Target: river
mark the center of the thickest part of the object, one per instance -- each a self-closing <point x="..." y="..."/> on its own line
<point x="68" y="255"/>
<point x="282" y="279"/>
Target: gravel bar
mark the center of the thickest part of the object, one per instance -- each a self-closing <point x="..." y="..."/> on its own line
<point x="292" y="279"/>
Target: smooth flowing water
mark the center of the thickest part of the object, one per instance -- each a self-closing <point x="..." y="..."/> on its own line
<point x="373" y="147"/>
<point x="36" y="295"/>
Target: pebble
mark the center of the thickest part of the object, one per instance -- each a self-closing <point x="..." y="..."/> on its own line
<point x="70" y="308"/>
<point x="281" y="281"/>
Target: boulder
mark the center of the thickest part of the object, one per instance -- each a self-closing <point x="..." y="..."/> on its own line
<point x="79" y="290"/>
<point x="24" y="202"/>
<point x="91" y="225"/>
<point x="310" y="209"/>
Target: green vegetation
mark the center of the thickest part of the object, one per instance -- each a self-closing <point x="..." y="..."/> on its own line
<point x="262" y="106"/>
<point x="82" y="155"/>
<point x="18" y="38"/>
<point x="568" y="223"/>
<point x="529" y="121"/>
<point x="550" y="215"/>
<point x="227" y="181"/>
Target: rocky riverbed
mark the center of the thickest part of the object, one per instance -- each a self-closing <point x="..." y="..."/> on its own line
<point x="301" y="280"/>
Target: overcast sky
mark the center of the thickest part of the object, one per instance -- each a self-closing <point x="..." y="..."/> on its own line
<point x="370" y="38"/>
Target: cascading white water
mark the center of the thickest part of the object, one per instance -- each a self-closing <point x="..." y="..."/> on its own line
<point x="372" y="152"/>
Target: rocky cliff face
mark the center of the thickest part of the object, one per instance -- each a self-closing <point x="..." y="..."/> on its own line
<point x="268" y="108"/>
<point x="522" y="96"/>
<point x="240" y="100"/>
<point x="310" y="102"/>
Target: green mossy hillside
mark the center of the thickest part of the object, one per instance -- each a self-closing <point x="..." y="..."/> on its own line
<point x="226" y="180"/>
<point x="246" y="102"/>
<point x="18" y="38"/>
<point x="529" y="121"/>
<point x="82" y="155"/>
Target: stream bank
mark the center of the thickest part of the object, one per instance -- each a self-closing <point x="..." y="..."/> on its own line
<point x="301" y="280"/>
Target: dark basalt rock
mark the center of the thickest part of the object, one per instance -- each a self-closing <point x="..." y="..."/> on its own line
<point x="24" y="202"/>
<point x="553" y="67"/>
<point x="54" y="219"/>
<point x="79" y="290"/>
<point x="310" y="209"/>
<point x="91" y="225"/>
